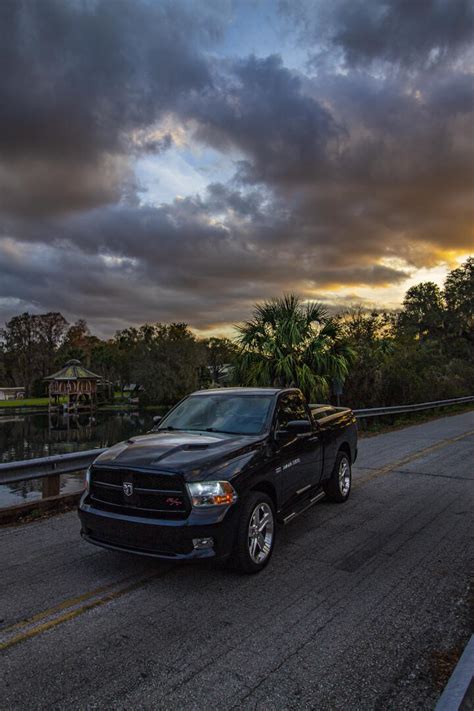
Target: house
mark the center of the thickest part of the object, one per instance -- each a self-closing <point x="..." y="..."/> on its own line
<point x="12" y="393"/>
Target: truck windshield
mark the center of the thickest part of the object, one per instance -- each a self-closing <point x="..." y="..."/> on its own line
<point x="232" y="414"/>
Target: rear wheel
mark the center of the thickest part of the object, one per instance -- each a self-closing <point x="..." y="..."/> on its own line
<point x="338" y="487"/>
<point x="255" y="535"/>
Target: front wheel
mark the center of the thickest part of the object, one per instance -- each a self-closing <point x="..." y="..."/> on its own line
<point x="338" y="487"/>
<point x="256" y="534"/>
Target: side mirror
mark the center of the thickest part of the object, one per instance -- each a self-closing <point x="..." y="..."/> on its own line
<point x="299" y="426"/>
<point x="157" y="419"/>
<point x="293" y="429"/>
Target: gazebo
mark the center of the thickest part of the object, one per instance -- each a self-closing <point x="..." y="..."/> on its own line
<point x="75" y="383"/>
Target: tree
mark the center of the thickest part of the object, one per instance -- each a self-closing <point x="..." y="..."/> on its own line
<point x="29" y="346"/>
<point x="459" y="297"/>
<point x="78" y="343"/>
<point x="290" y="343"/>
<point x="19" y="343"/>
<point x="104" y="360"/>
<point x="6" y="375"/>
<point x="50" y="330"/>
<point x="167" y="360"/>
<point x="125" y="345"/>
<point x="423" y="311"/>
<point x="371" y="336"/>
<point x="219" y="353"/>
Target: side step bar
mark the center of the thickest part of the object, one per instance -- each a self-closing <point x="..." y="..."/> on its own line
<point x="310" y="503"/>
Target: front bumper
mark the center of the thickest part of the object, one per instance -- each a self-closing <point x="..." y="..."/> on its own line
<point x="161" y="538"/>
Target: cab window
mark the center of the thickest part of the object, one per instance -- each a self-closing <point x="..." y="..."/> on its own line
<point x="290" y="407"/>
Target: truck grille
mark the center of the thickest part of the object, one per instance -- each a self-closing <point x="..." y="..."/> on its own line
<point x="139" y="494"/>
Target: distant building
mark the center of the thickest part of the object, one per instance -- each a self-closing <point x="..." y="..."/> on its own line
<point x="12" y="393"/>
<point x="75" y="385"/>
<point x="132" y="387"/>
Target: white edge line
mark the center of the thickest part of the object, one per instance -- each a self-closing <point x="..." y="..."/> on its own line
<point x="458" y="684"/>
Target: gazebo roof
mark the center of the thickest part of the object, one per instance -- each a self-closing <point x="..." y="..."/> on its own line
<point x="73" y="370"/>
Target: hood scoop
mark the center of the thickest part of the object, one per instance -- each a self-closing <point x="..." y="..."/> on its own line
<point x="187" y="447"/>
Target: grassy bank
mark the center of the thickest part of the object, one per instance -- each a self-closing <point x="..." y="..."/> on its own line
<point x="43" y="402"/>
<point x="28" y="402"/>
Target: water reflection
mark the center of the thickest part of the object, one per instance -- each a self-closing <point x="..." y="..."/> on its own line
<point x="25" y="436"/>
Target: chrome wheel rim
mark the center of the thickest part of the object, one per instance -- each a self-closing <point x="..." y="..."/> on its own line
<point x="344" y="476"/>
<point x="260" y="534"/>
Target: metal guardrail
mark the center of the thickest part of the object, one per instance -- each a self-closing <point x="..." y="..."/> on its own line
<point x="417" y="407"/>
<point x="51" y="468"/>
<point x="11" y="472"/>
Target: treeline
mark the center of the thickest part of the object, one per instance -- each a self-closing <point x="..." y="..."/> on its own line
<point x="423" y="351"/>
<point x="162" y="361"/>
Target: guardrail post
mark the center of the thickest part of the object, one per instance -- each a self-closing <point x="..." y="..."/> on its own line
<point x="51" y="485"/>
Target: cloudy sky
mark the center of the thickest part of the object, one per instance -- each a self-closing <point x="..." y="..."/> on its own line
<point x="181" y="160"/>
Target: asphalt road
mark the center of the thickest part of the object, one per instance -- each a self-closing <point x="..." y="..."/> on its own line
<point x="359" y="609"/>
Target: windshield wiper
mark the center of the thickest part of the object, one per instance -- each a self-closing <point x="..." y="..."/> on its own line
<point x="195" y="429"/>
<point x="180" y="429"/>
<point x="213" y="429"/>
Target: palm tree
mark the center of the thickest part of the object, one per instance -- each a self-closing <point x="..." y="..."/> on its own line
<point x="292" y="343"/>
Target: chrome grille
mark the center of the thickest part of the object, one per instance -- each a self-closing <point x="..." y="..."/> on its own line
<point x="139" y="493"/>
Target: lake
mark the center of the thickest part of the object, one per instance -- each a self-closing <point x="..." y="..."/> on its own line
<point x="28" y="435"/>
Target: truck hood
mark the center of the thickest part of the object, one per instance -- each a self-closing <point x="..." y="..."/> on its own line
<point x="193" y="454"/>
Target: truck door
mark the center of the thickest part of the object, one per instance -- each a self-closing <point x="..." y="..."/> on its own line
<point x="298" y="457"/>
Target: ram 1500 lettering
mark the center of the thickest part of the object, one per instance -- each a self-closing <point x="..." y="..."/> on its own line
<point x="217" y="474"/>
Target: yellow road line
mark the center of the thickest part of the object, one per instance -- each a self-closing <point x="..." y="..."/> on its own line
<point x="71" y="614"/>
<point x="409" y="458"/>
<point x="62" y="606"/>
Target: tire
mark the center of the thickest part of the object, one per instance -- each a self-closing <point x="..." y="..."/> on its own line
<point x="251" y="554"/>
<point x="338" y="487"/>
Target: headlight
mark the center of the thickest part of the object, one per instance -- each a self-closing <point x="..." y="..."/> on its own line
<point x="211" y="493"/>
<point x="88" y="479"/>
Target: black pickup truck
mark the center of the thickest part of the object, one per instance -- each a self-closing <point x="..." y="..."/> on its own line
<point x="217" y="474"/>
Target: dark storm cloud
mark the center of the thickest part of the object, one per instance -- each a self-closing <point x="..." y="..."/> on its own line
<point x="173" y="257"/>
<point x="36" y="187"/>
<point x="183" y="244"/>
<point x="224" y="197"/>
<point x="343" y="178"/>
<point x="401" y="183"/>
<point x="259" y="107"/>
<point x="412" y="33"/>
<point x="77" y="78"/>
